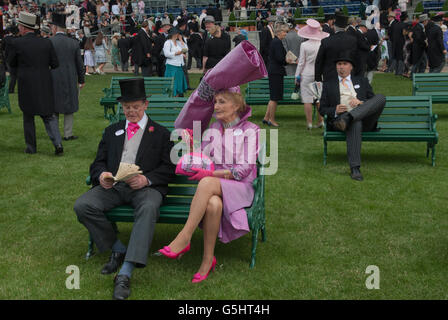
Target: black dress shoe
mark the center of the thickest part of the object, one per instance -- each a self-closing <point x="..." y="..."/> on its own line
<point x="29" y="151"/>
<point x="115" y="261"/>
<point x="59" y="150"/>
<point x="122" y="288"/>
<point x="70" y="138"/>
<point x="342" y="122"/>
<point x="355" y="174"/>
<point x="267" y="122"/>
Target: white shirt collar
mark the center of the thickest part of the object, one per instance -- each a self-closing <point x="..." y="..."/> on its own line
<point x="349" y="78"/>
<point x="142" y="123"/>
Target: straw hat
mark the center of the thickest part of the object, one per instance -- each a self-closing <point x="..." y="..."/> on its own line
<point x="312" y="31"/>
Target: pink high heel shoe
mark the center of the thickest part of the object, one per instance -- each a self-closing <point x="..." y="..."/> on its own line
<point x="197" y="276"/>
<point x="166" y="251"/>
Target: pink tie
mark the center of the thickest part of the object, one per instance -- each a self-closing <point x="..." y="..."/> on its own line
<point x="132" y="129"/>
<point x="344" y="83"/>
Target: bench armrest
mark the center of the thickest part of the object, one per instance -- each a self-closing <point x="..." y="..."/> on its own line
<point x="255" y="213"/>
<point x="433" y="121"/>
<point x="107" y="92"/>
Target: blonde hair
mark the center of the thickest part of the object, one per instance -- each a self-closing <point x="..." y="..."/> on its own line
<point x="236" y="98"/>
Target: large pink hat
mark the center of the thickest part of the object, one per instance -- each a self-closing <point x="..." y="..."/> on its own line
<point x="312" y="30"/>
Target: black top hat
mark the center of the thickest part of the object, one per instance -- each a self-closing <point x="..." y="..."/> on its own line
<point x="328" y="17"/>
<point x="437" y="18"/>
<point x="341" y="21"/>
<point x="345" y="56"/>
<point x="403" y="16"/>
<point x="58" y="19"/>
<point x="132" y="90"/>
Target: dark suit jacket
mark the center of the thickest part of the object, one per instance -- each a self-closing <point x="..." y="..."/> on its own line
<point x="124" y="44"/>
<point x="331" y="96"/>
<point x="265" y="43"/>
<point x="363" y="48"/>
<point x="153" y="155"/>
<point x="328" y="29"/>
<point x="141" y="45"/>
<point x="277" y="58"/>
<point x="399" y="40"/>
<point x="435" y="45"/>
<point x="69" y="73"/>
<point x="329" y="50"/>
<point x="33" y="57"/>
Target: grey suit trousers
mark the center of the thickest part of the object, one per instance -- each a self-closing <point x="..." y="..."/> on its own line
<point x="90" y="208"/>
<point x="365" y="118"/>
<point x="51" y="126"/>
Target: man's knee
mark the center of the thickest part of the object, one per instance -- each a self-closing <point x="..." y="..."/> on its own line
<point x="81" y="208"/>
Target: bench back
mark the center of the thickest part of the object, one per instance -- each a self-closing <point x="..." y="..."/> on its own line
<point x="429" y="82"/>
<point x="258" y="91"/>
<point x="406" y="113"/>
<point x="162" y="110"/>
<point x="154" y="86"/>
<point x="181" y="190"/>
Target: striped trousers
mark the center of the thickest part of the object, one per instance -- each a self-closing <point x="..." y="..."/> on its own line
<point x="365" y="118"/>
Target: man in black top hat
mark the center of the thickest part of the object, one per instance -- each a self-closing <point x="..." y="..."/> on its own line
<point x="331" y="47"/>
<point x="436" y="50"/>
<point x="137" y="140"/>
<point x="351" y="107"/>
<point x="328" y="26"/>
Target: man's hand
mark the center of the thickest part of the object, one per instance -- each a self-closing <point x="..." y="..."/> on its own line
<point x="106" y="180"/>
<point x="137" y="182"/>
<point x="341" y="108"/>
<point x="355" y="102"/>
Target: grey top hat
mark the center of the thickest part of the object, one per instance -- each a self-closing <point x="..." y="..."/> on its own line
<point x="209" y="19"/>
<point x="423" y="17"/>
<point x="28" y="20"/>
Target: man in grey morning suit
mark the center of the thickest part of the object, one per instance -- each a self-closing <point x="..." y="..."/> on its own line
<point x="137" y="140"/>
<point x="351" y="107"/>
<point x="68" y="75"/>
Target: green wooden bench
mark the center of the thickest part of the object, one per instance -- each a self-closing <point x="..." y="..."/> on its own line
<point x="257" y="92"/>
<point x="431" y="84"/>
<point x="4" y="96"/>
<point x="407" y="118"/>
<point x="163" y="110"/>
<point x="154" y="86"/>
<point x="176" y="206"/>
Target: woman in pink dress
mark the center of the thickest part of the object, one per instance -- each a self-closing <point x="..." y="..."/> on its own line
<point x="222" y="194"/>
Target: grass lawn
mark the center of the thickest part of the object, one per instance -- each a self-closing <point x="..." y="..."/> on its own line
<point x="323" y="229"/>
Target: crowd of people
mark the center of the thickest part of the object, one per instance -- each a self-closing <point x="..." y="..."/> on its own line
<point x="339" y="57"/>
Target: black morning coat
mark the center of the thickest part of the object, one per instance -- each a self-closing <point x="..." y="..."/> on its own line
<point x="33" y="57"/>
<point x="329" y="50"/>
<point x="435" y="45"/>
<point x="153" y="155"/>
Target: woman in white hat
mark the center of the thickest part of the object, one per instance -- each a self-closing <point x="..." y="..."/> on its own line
<point x="305" y="67"/>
